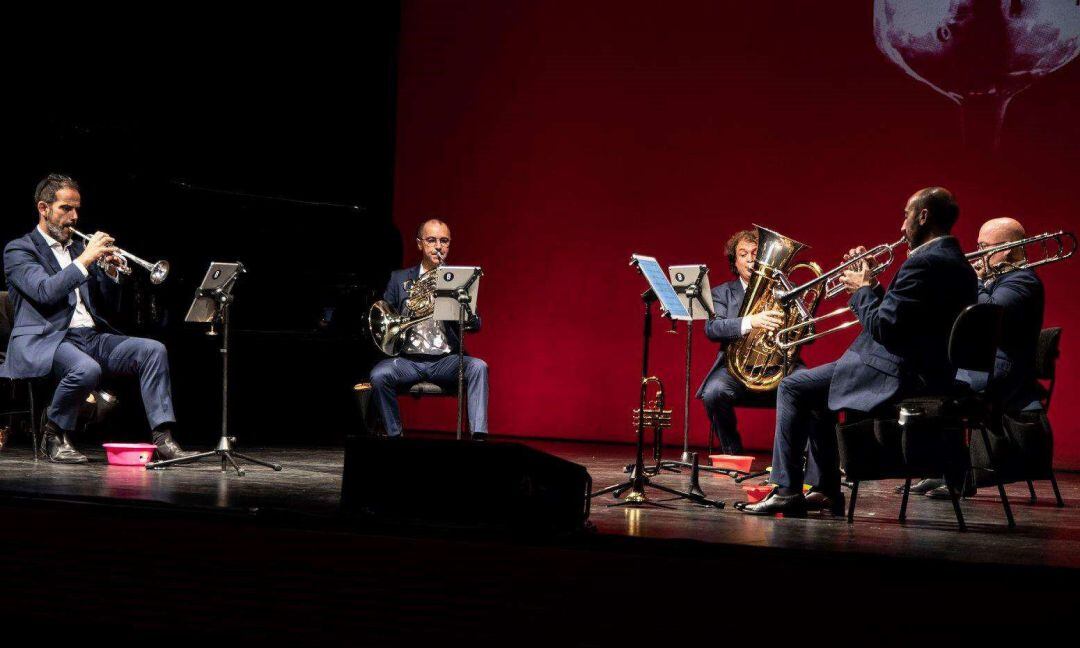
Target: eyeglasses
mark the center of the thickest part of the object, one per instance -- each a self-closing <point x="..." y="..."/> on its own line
<point x="431" y="240"/>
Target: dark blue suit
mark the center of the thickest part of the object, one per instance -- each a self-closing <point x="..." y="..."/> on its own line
<point x="1014" y="385"/>
<point x="42" y="343"/>
<point x="902" y="350"/>
<point x="720" y="391"/>
<point x="394" y="375"/>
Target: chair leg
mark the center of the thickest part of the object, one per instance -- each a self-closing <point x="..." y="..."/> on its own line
<point x="955" y="504"/>
<point x="34" y="422"/>
<point x="1057" y="493"/>
<point x="851" y="504"/>
<point x="1000" y="483"/>
<point x="1031" y="490"/>
<point x="904" y="501"/>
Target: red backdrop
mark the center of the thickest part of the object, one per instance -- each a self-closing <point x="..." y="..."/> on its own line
<point x="559" y="137"/>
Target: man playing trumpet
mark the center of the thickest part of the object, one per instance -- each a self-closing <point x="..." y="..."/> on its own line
<point x="55" y="283"/>
<point x="902" y="350"/>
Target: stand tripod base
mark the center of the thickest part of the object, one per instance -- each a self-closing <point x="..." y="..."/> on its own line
<point x="223" y="450"/>
<point x="637" y="496"/>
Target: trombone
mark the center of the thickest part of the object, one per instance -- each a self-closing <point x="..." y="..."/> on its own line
<point x="878" y="258"/>
<point x="1064" y="251"/>
<point x="158" y="271"/>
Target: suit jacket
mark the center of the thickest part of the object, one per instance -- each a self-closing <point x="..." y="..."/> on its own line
<point x="396" y="295"/>
<point x="1014" y="384"/>
<point x="44" y="301"/>
<point x="725" y="327"/>
<point x="903" y="348"/>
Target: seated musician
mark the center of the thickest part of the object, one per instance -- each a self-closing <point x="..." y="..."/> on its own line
<point x="902" y="350"/>
<point x="55" y="283"/>
<point x="1019" y="292"/>
<point x="431" y="348"/>
<point x="721" y="392"/>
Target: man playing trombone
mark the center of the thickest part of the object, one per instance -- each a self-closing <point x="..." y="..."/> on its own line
<point x="902" y="350"/>
<point x="1005" y="280"/>
<point x="55" y="283"/>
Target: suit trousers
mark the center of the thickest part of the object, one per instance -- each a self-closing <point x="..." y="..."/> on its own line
<point x="394" y="375"/>
<point x="86" y="355"/>
<point x="804" y="421"/>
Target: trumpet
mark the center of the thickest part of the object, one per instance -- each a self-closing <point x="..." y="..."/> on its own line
<point x="1063" y="251"/>
<point x="158" y="271"/>
<point x="878" y="258"/>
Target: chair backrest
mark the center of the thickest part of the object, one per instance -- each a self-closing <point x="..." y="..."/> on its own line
<point x="7" y="317"/>
<point x="975" y="336"/>
<point x="1047" y="352"/>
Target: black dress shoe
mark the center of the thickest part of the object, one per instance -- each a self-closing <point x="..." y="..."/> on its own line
<point x="922" y="487"/>
<point x="942" y="492"/>
<point x="479" y="436"/>
<point x="59" y="450"/>
<point x="832" y="504"/>
<point x="788" y="505"/>
<point x="168" y="449"/>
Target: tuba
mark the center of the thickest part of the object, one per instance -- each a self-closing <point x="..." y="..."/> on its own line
<point x="388" y="327"/>
<point x="756" y="360"/>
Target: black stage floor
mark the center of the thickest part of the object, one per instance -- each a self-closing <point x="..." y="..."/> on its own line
<point x="193" y="552"/>
<point x="310" y="485"/>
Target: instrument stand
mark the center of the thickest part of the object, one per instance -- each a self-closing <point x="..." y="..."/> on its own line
<point x="464" y="312"/>
<point x="639" y="480"/>
<point x="222" y="298"/>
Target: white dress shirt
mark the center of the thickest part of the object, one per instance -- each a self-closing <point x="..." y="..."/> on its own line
<point x="81" y="318"/>
<point x="744" y="325"/>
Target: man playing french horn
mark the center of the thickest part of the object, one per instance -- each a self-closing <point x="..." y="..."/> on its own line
<point x="902" y="350"/>
<point x="430" y="351"/>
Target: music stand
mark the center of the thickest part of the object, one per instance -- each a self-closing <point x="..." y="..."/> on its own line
<point x="660" y="289"/>
<point x="211" y="305"/>
<point x="456" y="289"/>
<point x="691" y="283"/>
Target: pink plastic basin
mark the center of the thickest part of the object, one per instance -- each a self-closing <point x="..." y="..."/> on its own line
<point x="129" y="454"/>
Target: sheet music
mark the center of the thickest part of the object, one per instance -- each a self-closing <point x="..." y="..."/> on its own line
<point x="658" y="281"/>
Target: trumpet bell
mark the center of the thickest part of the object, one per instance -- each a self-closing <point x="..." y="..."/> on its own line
<point x="159" y="271"/>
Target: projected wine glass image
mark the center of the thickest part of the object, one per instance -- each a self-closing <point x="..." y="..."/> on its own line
<point x="978" y="53"/>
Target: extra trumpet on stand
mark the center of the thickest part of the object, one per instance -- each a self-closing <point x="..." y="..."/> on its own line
<point x="878" y="259"/>
<point x="158" y="271"/>
<point x="1064" y="251"/>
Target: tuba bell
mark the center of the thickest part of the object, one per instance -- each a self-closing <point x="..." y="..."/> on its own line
<point x="756" y="360"/>
<point x="388" y="327"/>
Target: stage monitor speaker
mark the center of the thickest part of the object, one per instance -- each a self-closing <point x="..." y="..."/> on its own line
<point x="461" y="484"/>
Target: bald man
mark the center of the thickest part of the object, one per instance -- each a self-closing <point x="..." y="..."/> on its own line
<point x="902" y="351"/>
<point x="1020" y="294"/>
<point x="430" y="352"/>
